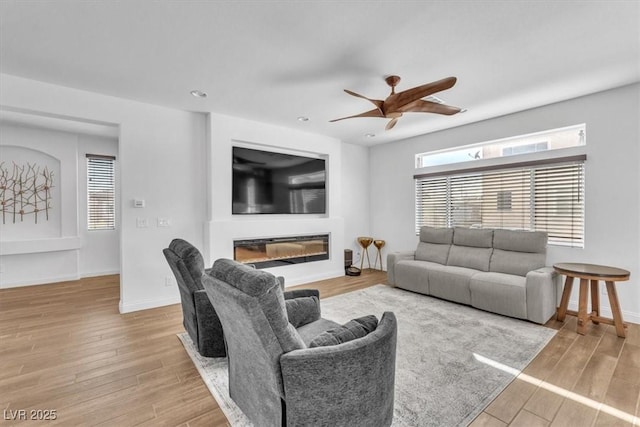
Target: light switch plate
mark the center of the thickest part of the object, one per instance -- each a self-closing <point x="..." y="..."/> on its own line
<point x="164" y="222"/>
<point x="142" y="222"/>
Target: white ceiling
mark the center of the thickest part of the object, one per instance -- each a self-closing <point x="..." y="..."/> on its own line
<point x="273" y="61"/>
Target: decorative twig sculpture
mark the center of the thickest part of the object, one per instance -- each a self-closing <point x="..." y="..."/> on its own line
<point x="25" y="190"/>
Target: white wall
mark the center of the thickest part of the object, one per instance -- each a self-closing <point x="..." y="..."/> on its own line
<point x="612" y="233"/>
<point x="355" y="201"/>
<point x="161" y="160"/>
<point x="223" y="227"/>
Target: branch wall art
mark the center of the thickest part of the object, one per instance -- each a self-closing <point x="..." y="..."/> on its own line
<point x="25" y="190"/>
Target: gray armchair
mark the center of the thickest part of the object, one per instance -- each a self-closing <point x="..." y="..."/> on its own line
<point x="200" y="320"/>
<point x="276" y="375"/>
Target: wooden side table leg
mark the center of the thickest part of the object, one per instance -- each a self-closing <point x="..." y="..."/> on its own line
<point x="615" y="309"/>
<point x="368" y="260"/>
<point x="564" y="302"/>
<point x="595" y="300"/>
<point x="583" y="318"/>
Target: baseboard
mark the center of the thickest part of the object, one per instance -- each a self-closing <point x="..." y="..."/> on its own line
<point x="627" y="316"/>
<point x="147" y="304"/>
<point x="99" y="273"/>
<point x="49" y="280"/>
<point x="43" y="281"/>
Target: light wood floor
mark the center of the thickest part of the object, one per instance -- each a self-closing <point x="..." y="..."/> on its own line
<point x="65" y="348"/>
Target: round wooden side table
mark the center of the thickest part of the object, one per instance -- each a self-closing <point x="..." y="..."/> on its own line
<point x="365" y="242"/>
<point x="379" y="244"/>
<point x="590" y="274"/>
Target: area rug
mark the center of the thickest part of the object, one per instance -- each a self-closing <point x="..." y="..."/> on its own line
<point x="451" y="360"/>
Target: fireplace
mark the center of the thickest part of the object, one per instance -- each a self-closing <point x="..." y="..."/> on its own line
<point x="279" y="251"/>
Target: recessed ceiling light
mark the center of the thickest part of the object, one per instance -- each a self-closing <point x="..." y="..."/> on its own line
<point x="303" y="119"/>
<point x="199" y="94"/>
<point x="369" y="135"/>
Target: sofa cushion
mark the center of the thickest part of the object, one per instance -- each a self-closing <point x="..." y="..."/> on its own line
<point x="441" y="236"/>
<point x="470" y="257"/>
<point x="450" y="283"/>
<point x="412" y="275"/>
<point x="353" y="329"/>
<point x="476" y="237"/>
<point x="520" y="241"/>
<point x="433" y="252"/>
<point x="518" y="263"/>
<point x="499" y="293"/>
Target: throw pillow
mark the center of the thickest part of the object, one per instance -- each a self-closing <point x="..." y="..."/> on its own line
<point x="353" y="329"/>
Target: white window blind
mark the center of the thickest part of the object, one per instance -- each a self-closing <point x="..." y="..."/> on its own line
<point x="545" y="197"/>
<point x="101" y="195"/>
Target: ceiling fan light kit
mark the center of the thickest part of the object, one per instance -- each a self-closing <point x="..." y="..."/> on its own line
<point x="199" y="93"/>
<point x="407" y="101"/>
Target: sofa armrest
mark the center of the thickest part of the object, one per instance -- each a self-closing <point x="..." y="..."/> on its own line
<point x="346" y="384"/>
<point x="303" y="306"/>
<point x="392" y="260"/>
<point x="541" y="286"/>
<point x="210" y="336"/>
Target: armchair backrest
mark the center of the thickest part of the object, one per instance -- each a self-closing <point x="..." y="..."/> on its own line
<point x="251" y="307"/>
<point x="186" y="262"/>
<point x="187" y="265"/>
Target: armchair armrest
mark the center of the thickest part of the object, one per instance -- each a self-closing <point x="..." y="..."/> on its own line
<point x="332" y="385"/>
<point x="210" y="336"/>
<point x="392" y="260"/>
<point x="541" y="287"/>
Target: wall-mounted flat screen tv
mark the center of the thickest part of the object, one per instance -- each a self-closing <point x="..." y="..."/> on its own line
<point x="265" y="182"/>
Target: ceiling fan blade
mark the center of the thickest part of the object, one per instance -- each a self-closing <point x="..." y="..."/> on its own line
<point x="391" y="123"/>
<point x="395" y="101"/>
<point x="421" y="106"/>
<point x="375" y="102"/>
<point x="372" y="113"/>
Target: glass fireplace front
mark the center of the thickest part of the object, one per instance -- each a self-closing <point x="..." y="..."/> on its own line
<point x="279" y="251"/>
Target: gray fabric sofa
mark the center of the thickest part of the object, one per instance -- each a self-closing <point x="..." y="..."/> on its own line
<point x="277" y="378"/>
<point x="501" y="271"/>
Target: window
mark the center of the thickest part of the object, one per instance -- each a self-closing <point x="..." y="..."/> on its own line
<point x="547" y="196"/>
<point x="101" y="195"/>
<point x="554" y="139"/>
<point x="525" y="148"/>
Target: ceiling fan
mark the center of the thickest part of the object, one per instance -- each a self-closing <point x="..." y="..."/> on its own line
<point x="407" y="101"/>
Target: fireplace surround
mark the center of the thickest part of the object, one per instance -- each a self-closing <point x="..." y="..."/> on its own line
<point x="281" y="251"/>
